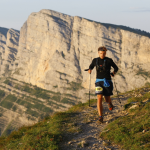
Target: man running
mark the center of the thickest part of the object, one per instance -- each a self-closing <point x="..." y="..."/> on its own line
<point x="103" y="84"/>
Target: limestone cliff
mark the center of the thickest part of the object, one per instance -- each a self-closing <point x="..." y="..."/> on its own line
<point x="54" y="49"/>
<point x="9" y="40"/>
<point x="51" y="51"/>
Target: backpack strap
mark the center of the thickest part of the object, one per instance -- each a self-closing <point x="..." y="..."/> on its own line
<point x="104" y="63"/>
<point x="96" y="63"/>
<point x="97" y="66"/>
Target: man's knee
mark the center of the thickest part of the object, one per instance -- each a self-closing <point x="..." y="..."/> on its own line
<point x="100" y="98"/>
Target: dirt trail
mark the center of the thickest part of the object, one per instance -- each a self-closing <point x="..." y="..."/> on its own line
<point x="87" y="120"/>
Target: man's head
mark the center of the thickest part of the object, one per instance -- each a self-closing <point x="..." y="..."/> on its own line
<point x="102" y="52"/>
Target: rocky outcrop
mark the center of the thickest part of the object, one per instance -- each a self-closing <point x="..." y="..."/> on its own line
<point x="3" y="38"/>
<point x="51" y="52"/>
<point x="54" y="50"/>
<point x="9" y="40"/>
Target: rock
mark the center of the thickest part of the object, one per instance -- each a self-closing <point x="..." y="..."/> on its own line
<point x="117" y="111"/>
<point x="89" y="121"/>
<point x="144" y="131"/>
<point x="100" y="148"/>
<point x="134" y="103"/>
<point x="110" y="116"/>
<point x="140" y="95"/>
<point x="146" y="100"/>
<point x="70" y="142"/>
<point x="133" y="107"/>
<point x="105" y="143"/>
<point x="95" y="145"/>
<point x="9" y="43"/>
<point x="83" y="143"/>
<point x="53" y="49"/>
<point x="108" y="148"/>
<point x="36" y="56"/>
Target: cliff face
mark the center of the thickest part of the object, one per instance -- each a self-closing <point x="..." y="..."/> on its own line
<point x="9" y="40"/>
<point x="54" y="49"/>
<point x="51" y="51"/>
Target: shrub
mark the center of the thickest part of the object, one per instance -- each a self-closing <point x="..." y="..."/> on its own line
<point x="2" y="94"/>
<point x="6" y="104"/>
<point x="11" y="98"/>
<point x="68" y="101"/>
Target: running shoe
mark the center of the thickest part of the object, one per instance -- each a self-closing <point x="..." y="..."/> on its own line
<point x="100" y="119"/>
<point x="110" y="106"/>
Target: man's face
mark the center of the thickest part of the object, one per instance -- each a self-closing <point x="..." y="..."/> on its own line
<point x="102" y="54"/>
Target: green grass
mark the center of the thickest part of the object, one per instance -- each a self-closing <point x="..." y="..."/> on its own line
<point x="1" y="114"/>
<point x="7" y="81"/>
<point x="70" y="95"/>
<point x="11" y="98"/>
<point x="67" y="101"/>
<point x="147" y="84"/>
<point x="38" y="92"/>
<point x="50" y="103"/>
<point x="30" y="99"/>
<point x="2" y="94"/>
<point x="8" y="130"/>
<point x="14" y="108"/>
<point x="2" y="86"/>
<point x="75" y="86"/>
<point x="56" y="98"/>
<point x="32" y="113"/>
<point x="38" y="106"/>
<point x="90" y="94"/>
<point x="24" y="103"/>
<point x="6" y="104"/>
<point x="13" y="78"/>
<point x="127" y="131"/>
<point x="50" y="133"/>
<point x="143" y="73"/>
<point x="56" y="86"/>
<point x="18" y="71"/>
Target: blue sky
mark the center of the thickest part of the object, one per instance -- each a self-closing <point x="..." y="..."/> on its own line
<point x="132" y="13"/>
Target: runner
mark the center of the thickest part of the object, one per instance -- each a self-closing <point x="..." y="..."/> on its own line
<point x="103" y="84"/>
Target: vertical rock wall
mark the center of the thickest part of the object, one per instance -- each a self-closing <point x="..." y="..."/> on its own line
<point x="9" y="40"/>
<point x="54" y="49"/>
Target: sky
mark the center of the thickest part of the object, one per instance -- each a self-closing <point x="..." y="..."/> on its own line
<point x="131" y="13"/>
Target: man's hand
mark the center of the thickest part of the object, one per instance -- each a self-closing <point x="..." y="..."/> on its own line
<point x="89" y="71"/>
<point x="112" y="74"/>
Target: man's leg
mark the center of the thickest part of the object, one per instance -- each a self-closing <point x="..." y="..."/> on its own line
<point x="108" y="100"/>
<point x="99" y="104"/>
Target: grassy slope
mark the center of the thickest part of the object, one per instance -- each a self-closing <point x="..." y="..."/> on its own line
<point x="47" y="134"/>
<point x="132" y="131"/>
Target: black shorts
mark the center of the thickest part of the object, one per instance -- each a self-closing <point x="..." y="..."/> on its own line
<point x="101" y="89"/>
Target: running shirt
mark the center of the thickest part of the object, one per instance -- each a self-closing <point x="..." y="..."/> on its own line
<point x="108" y="64"/>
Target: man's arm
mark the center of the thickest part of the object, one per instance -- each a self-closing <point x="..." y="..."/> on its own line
<point x="92" y="65"/>
<point x="115" y="67"/>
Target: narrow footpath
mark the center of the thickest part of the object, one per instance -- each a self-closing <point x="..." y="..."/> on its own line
<point x="87" y="121"/>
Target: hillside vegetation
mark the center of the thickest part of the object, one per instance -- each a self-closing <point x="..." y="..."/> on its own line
<point x="24" y="104"/>
<point x="130" y="131"/>
<point x="47" y="134"/>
